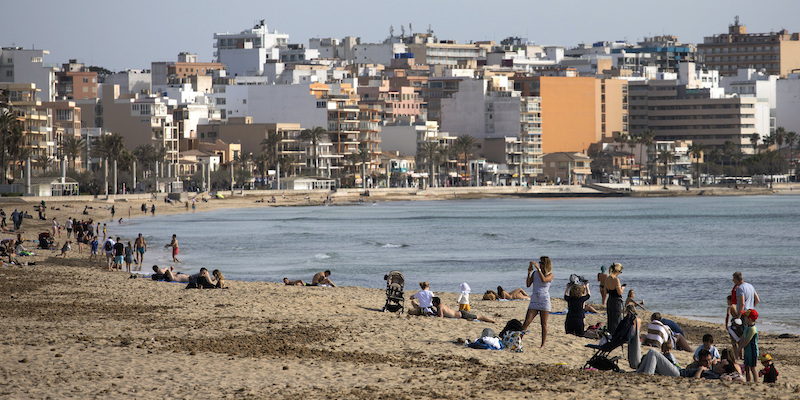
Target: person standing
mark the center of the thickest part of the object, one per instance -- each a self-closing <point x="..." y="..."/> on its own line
<point x="69" y="227"/>
<point x="746" y="296"/>
<point x="601" y="277"/>
<point x="614" y="302"/>
<point x="119" y="254"/>
<point x="108" y="249"/>
<point x="539" y="282"/>
<point x="140" y="245"/>
<point x="174" y="245"/>
<point x="153" y="209"/>
<point x="129" y="257"/>
<point x="54" y="227"/>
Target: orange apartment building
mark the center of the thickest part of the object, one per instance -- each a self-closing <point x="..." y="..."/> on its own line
<point x="76" y="82"/>
<point x="577" y="111"/>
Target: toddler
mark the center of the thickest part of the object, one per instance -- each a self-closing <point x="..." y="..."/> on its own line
<point x="463" y="298"/>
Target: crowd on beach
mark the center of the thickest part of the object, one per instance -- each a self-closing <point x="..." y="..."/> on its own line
<point x="738" y="362"/>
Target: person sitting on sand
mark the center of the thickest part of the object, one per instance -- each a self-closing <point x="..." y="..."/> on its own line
<point x="576" y="296"/>
<point x="516" y="294"/>
<point x="421" y="301"/>
<point x="298" y="282"/>
<point x="632" y="300"/>
<point x="321" y="279"/>
<point x="220" y="284"/>
<point x="442" y="311"/>
<point x="727" y="367"/>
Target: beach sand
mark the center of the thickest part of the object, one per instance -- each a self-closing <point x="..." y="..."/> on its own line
<point x="73" y="330"/>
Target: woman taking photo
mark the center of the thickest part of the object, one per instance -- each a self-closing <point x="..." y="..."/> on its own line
<point x="540" y="293"/>
<point x="614" y="302"/>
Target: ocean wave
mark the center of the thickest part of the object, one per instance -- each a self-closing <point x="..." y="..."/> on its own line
<point x="394" y="246"/>
<point x="323" y="256"/>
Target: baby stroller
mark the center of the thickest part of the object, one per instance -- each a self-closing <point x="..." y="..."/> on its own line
<point x="45" y="241"/>
<point x="600" y="359"/>
<point x="394" y="292"/>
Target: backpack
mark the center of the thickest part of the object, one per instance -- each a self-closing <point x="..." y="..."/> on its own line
<point x="108" y="246"/>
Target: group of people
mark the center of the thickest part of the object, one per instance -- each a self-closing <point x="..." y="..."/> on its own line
<point x="200" y="280"/>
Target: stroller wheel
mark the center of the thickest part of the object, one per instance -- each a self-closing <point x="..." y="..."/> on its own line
<point x="383" y="309"/>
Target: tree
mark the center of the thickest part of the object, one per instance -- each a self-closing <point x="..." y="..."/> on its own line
<point x="646" y="139"/>
<point x="754" y="142"/>
<point x="791" y="139"/>
<point x="431" y="152"/>
<point x="261" y="160"/>
<point x="464" y="145"/>
<point x="664" y="157"/>
<point x="715" y="154"/>
<point x="45" y="163"/>
<point x="270" y="145"/>
<point x="314" y="135"/>
<point x="697" y="151"/>
<point x="446" y="154"/>
<point x="73" y="147"/>
<point x="243" y="174"/>
<point x="108" y="147"/>
<point x="9" y="124"/>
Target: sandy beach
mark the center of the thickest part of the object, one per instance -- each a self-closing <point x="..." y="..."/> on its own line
<point x="71" y="329"/>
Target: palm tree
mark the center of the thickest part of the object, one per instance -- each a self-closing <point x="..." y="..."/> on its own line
<point x="261" y="160"/>
<point x="697" y="151"/>
<point x="791" y="139"/>
<point x="9" y="124"/>
<point x="446" y="153"/>
<point x="646" y="139"/>
<point x="664" y="157"/>
<point x="72" y="147"/>
<point x="754" y="142"/>
<point x="314" y="135"/>
<point x="108" y="147"/>
<point x="464" y="145"/>
<point x="243" y="160"/>
<point x="270" y="145"/>
<point x="45" y="163"/>
<point x="431" y="152"/>
<point x="15" y="147"/>
<point x="715" y="154"/>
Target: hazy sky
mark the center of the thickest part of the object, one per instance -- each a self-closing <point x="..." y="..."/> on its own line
<point x="131" y="34"/>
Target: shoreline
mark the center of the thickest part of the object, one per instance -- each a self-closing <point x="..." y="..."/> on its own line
<point x="71" y="331"/>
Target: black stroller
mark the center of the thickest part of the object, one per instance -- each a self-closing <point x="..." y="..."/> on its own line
<point x="600" y="359"/>
<point x="394" y="292"/>
<point x="45" y="241"/>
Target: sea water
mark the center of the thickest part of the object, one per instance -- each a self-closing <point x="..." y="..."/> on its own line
<point x="678" y="253"/>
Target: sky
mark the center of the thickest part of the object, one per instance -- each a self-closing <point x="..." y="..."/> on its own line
<point x="131" y="34"/>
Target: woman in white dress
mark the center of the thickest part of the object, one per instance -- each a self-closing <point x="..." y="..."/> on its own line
<point x="540" y="293"/>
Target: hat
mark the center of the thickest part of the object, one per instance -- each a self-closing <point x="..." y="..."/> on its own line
<point x="465" y="287"/>
<point x="766" y="358"/>
<point x="487" y="332"/>
<point x="752" y="314"/>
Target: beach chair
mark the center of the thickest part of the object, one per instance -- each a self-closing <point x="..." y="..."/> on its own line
<point x="395" y="282"/>
<point x="601" y="359"/>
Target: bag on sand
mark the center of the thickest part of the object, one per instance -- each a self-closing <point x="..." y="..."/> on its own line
<point x="512" y="341"/>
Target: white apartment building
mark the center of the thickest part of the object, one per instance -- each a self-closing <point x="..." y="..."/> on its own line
<point x="131" y="81"/>
<point x="787" y="112"/>
<point x="18" y="65"/>
<point x="350" y="49"/>
<point x="245" y="53"/>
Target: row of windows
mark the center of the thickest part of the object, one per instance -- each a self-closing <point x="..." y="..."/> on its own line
<point x="738" y="49"/>
<point x="743" y="58"/>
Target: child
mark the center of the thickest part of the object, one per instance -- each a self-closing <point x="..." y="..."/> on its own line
<point x="708" y="344"/>
<point x="769" y="372"/>
<point x="463" y="298"/>
<point x="95" y="245"/>
<point x="632" y="300"/>
<point x="749" y="342"/>
<point x="666" y="351"/>
<point x="65" y="248"/>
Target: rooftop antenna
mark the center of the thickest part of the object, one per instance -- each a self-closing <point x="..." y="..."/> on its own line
<point x="391" y="31"/>
<point x="410" y="31"/>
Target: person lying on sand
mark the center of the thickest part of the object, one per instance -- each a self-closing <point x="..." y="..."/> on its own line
<point x="445" y="311"/>
<point x="321" y="279"/>
<point x="168" y="275"/>
<point x="298" y="282"/>
<point x="516" y="294"/>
